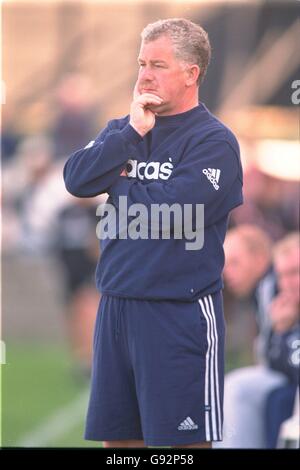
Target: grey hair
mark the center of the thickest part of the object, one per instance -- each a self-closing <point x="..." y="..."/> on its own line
<point x="190" y="41"/>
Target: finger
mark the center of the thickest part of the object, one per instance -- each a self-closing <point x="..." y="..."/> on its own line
<point x="147" y="98"/>
<point x="136" y="92"/>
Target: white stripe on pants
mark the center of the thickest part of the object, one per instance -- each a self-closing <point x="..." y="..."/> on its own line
<point x="212" y="393"/>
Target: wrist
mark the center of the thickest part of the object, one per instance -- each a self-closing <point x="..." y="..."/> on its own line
<point x="141" y="132"/>
<point x="130" y="135"/>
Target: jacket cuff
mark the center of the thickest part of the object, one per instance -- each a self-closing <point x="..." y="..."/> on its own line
<point x="130" y="135"/>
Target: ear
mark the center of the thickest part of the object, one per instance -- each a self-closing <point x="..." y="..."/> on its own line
<point x="192" y="74"/>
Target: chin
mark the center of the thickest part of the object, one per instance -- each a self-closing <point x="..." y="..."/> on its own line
<point x="155" y="108"/>
<point x="163" y="110"/>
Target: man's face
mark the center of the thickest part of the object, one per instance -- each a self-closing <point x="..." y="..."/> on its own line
<point x="241" y="272"/>
<point x="287" y="271"/>
<point x="161" y="74"/>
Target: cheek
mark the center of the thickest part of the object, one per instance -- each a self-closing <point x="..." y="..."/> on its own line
<point x="295" y="283"/>
<point x="169" y="84"/>
<point x="233" y="272"/>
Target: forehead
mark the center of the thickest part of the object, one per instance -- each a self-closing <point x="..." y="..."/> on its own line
<point x="159" y="49"/>
<point x="234" y="245"/>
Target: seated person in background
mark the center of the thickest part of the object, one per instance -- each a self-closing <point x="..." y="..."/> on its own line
<point x="282" y="347"/>
<point x="248" y="272"/>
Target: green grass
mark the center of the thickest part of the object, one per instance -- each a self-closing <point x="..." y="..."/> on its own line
<point x="74" y="439"/>
<point x="36" y="381"/>
<point x="235" y="360"/>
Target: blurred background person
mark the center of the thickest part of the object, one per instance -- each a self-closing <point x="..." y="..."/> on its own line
<point x="283" y="344"/>
<point x="77" y="250"/>
<point x="76" y="114"/>
<point x="250" y="420"/>
<point x="270" y="203"/>
<point x="9" y="137"/>
<point x="32" y="194"/>
<point x="27" y="179"/>
<point x="247" y="273"/>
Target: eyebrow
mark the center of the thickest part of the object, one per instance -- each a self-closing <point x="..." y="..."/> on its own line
<point x="154" y="61"/>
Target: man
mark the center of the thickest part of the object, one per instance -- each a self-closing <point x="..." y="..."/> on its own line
<point x="285" y="308"/>
<point x="159" y="336"/>
<point x="248" y="251"/>
<point x="283" y="345"/>
<point x="248" y="272"/>
<point x="77" y="253"/>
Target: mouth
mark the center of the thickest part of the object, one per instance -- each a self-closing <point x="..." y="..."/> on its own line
<point x="148" y="90"/>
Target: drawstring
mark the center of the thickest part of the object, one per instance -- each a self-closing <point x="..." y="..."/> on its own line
<point x="118" y="320"/>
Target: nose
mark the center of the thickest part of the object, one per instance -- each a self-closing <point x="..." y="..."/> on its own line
<point x="146" y="74"/>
